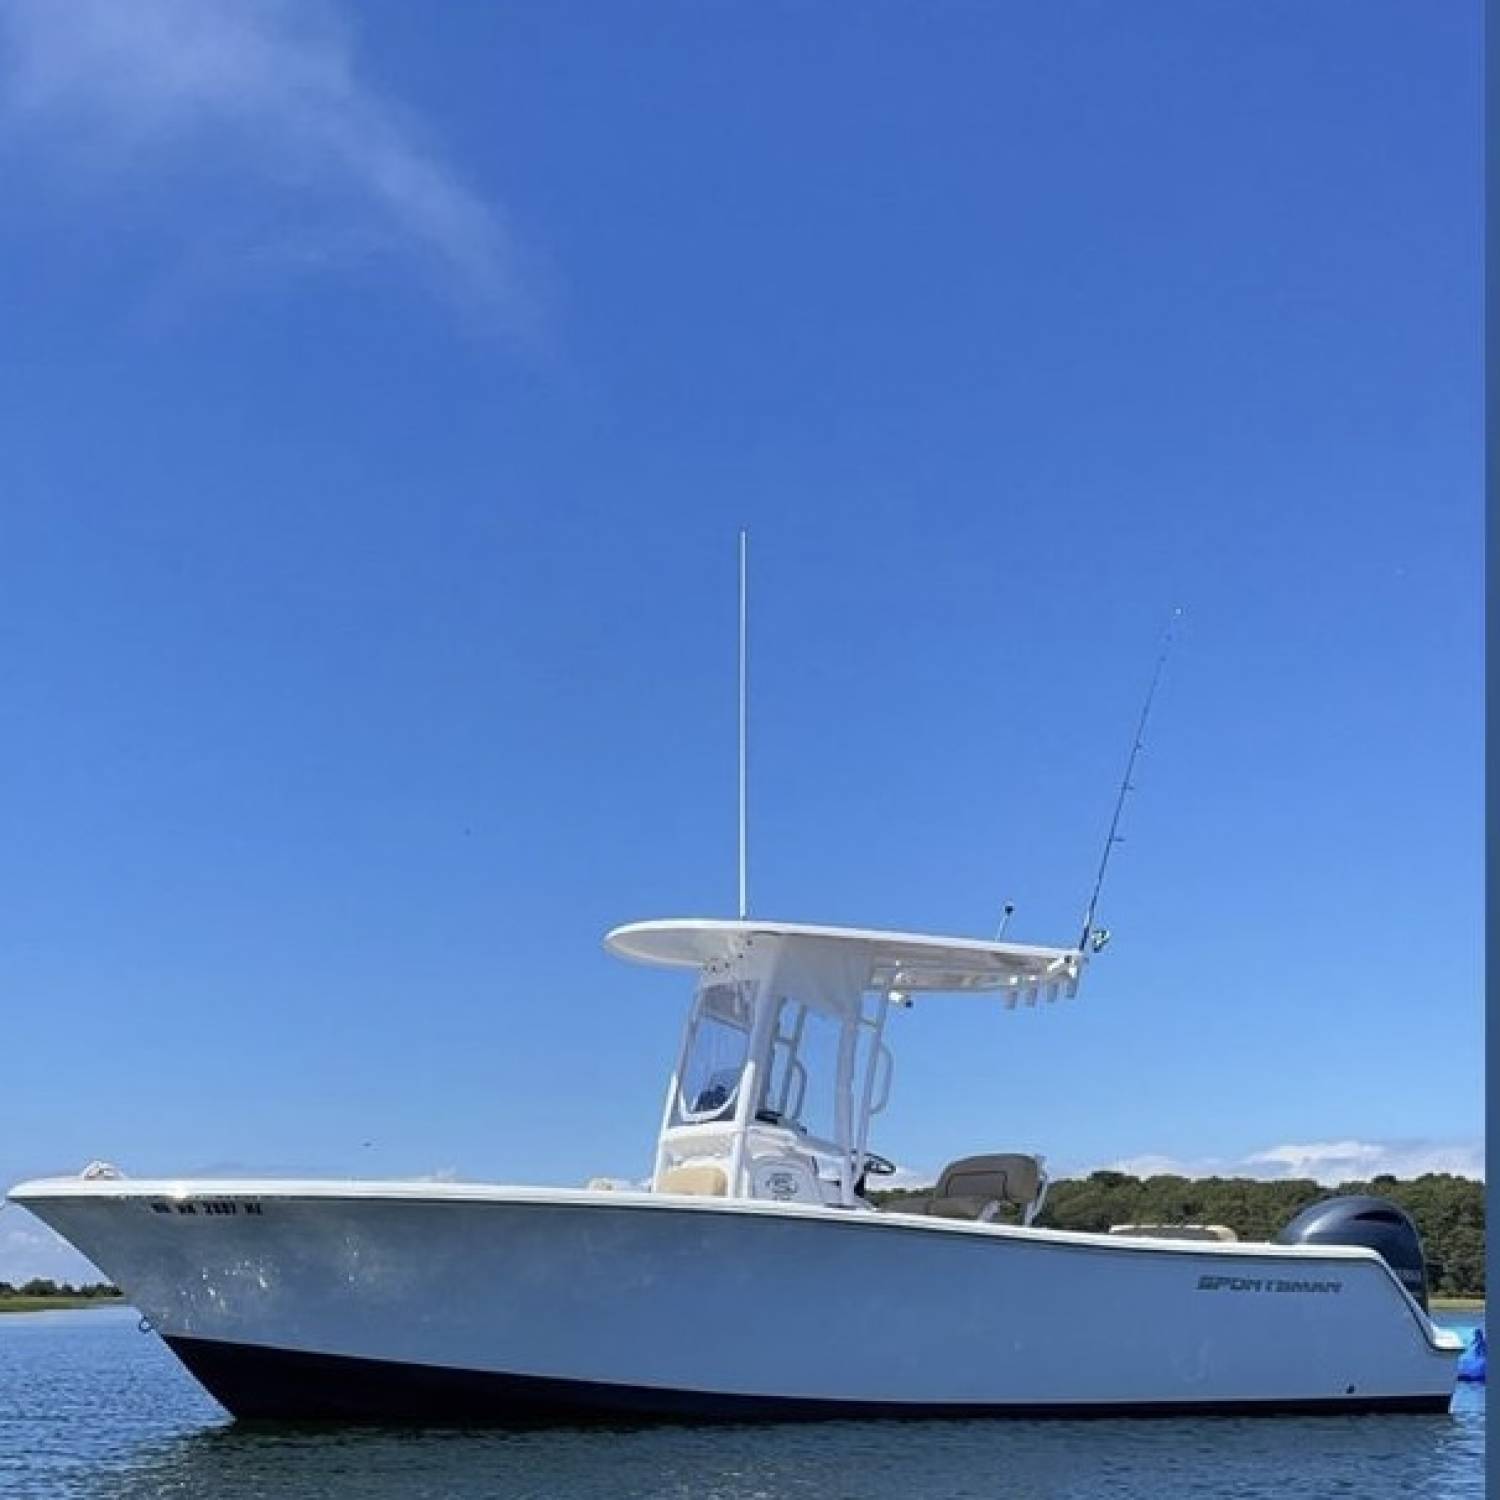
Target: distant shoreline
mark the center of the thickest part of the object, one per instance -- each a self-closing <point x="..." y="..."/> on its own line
<point x="1457" y="1304"/>
<point x="57" y="1304"/>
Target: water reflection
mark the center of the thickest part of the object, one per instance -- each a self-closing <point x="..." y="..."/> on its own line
<point x="1367" y="1456"/>
<point x="91" y="1408"/>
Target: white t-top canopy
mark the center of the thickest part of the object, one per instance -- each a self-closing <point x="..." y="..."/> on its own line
<point x="908" y="962"/>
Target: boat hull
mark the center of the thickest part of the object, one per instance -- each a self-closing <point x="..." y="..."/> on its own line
<point x="449" y="1304"/>
<point x="257" y="1383"/>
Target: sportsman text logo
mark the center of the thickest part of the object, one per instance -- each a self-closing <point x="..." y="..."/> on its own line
<point x="1264" y="1284"/>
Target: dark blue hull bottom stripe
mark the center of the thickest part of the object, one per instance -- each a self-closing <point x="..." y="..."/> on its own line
<point x="290" y="1385"/>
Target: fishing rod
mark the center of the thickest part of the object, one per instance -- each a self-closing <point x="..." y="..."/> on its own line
<point x="1098" y="937"/>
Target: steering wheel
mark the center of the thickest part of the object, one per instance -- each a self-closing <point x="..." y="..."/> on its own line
<point x="879" y="1166"/>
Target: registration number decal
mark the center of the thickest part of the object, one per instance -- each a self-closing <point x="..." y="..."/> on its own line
<point x="208" y="1207"/>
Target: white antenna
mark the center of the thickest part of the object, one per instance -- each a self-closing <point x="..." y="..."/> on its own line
<point x="744" y="728"/>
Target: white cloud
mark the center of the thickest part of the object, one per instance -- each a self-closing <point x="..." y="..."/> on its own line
<point x="1338" y="1161"/>
<point x="1163" y="1166"/>
<point x="271" y="89"/>
<point x="905" y="1177"/>
<point x="1327" y="1162"/>
<point x="28" y="1248"/>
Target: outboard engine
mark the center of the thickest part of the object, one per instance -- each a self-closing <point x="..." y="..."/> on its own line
<point x="1376" y="1223"/>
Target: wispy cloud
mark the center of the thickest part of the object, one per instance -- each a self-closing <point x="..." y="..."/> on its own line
<point x="1335" y="1161"/>
<point x="270" y="91"/>
<point x="1327" y="1162"/>
<point x="906" y="1177"/>
<point x="29" y="1249"/>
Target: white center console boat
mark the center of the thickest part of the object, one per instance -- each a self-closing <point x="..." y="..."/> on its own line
<point x="753" y="1278"/>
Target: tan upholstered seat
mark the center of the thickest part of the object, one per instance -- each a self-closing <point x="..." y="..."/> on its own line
<point x="705" y="1182"/>
<point x="977" y="1187"/>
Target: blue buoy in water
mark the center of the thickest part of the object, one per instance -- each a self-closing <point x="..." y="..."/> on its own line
<point x="1472" y="1361"/>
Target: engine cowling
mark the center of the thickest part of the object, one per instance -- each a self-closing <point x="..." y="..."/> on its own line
<point x="1376" y="1223"/>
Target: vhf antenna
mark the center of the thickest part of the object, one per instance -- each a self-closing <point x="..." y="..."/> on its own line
<point x="1101" y="936"/>
<point x="744" y="868"/>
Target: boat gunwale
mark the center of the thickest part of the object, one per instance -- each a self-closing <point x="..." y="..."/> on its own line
<point x="395" y="1190"/>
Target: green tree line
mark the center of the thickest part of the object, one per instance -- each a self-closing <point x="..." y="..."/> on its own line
<point x="44" y="1286"/>
<point x="1448" y="1211"/>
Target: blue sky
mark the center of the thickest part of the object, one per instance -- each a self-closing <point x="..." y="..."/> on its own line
<point x="384" y="390"/>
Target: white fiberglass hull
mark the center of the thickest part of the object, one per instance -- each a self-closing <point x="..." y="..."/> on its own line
<point x="419" y="1302"/>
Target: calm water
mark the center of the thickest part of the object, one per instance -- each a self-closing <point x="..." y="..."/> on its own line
<point x="91" y="1407"/>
